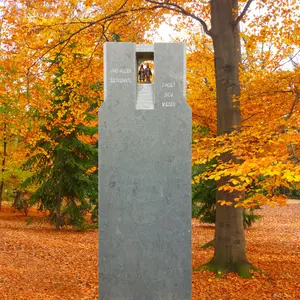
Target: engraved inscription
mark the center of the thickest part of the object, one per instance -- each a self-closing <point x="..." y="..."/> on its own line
<point x="168" y="94"/>
<point x="168" y="104"/>
<point x="168" y="84"/>
<point x="120" y="72"/>
<point x="120" y="80"/>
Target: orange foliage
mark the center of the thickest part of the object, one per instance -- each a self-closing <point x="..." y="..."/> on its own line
<point x="268" y="142"/>
<point x="35" y="34"/>
<point x="39" y="37"/>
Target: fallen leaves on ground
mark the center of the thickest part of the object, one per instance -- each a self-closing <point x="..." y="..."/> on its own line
<point x="38" y="263"/>
<point x="272" y="246"/>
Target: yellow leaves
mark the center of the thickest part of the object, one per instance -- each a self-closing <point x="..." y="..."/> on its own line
<point x="226" y="188"/>
<point x="215" y="177"/>
<point x="247" y="180"/>
<point x="292" y="176"/>
<point x="218" y="177"/>
<point x="223" y="202"/>
<point x="201" y="161"/>
<point x="234" y="181"/>
<point x="254" y="174"/>
<point x="196" y="179"/>
<point x="60" y="114"/>
<point x="91" y="170"/>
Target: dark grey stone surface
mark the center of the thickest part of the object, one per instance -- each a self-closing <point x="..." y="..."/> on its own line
<point x="144" y="180"/>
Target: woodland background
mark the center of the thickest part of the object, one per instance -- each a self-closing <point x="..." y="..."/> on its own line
<point x="51" y="86"/>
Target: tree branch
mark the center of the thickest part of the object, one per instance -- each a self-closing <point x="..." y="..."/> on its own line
<point x="120" y="12"/>
<point x="204" y="117"/>
<point x="295" y="102"/>
<point x="177" y="8"/>
<point x="122" y="5"/>
<point x="291" y="58"/>
<point x="241" y="16"/>
<point x="98" y="43"/>
<point x="110" y="17"/>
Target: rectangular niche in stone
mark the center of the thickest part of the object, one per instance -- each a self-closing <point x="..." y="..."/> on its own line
<point x="144" y="177"/>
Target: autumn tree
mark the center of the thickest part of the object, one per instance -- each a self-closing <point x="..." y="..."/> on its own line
<point x="204" y="199"/>
<point x="33" y="39"/>
<point x="12" y="124"/>
<point x="236" y="86"/>
<point x="232" y="145"/>
<point x="230" y="251"/>
<point x="63" y="162"/>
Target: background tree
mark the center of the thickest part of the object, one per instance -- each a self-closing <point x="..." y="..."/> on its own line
<point x="253" y="136"/>
<point x="204" y="200"/>
<point x="31" y="48"/>
<point x="232" y="179"/>
<point x="62" y="162"/>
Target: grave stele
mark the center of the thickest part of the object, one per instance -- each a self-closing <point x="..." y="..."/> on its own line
<point x="144" y="176"/>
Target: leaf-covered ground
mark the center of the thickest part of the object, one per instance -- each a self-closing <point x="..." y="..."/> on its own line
<point x="273" y="245"/>
<point x="38" y="263"/>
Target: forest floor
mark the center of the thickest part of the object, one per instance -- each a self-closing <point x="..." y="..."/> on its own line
<point x="38" y="263"/>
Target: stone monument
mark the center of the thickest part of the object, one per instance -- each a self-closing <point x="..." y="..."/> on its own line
<point x="144" y="176"/>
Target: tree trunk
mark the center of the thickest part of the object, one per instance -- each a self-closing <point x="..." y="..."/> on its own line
<point x="58" y="204"/>
<point x="58" y="213"/>
<point x="17" y="199"/>
<point x="1" y="192"/>
<point x="3" y="163"/>
<point x="230" y="250"/>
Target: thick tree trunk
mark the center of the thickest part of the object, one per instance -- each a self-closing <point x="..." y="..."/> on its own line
<point x="230" y="246"/>
<point x="230" y="250"/>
